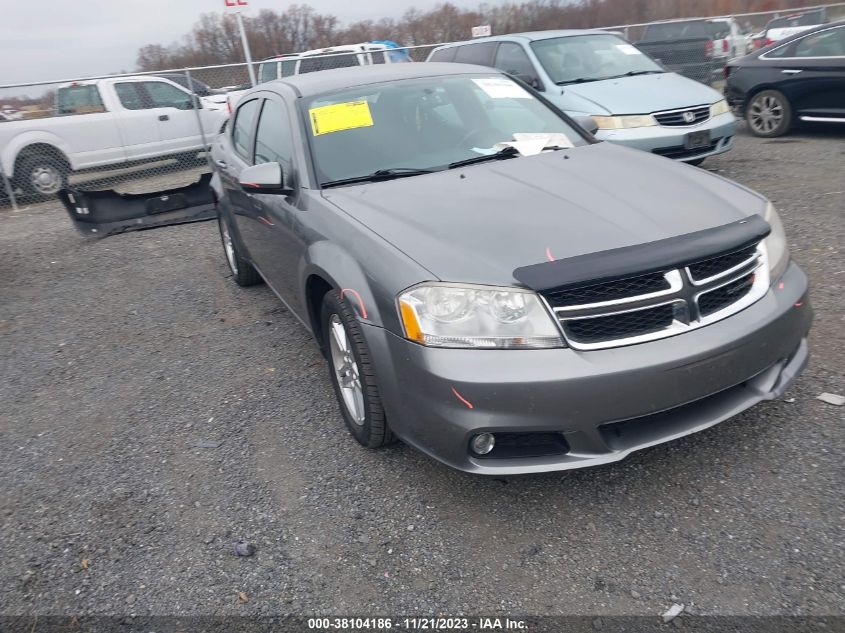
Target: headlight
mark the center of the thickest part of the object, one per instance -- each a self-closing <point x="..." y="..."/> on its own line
<point x="720" y="107"/>
<point x="777" y="250"/>
<point x="624" y="122"/>
<point x="446" y="315"/>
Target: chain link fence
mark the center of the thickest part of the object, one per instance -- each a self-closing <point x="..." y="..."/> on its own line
<point x="149" y="132"/>
<point x="136" y="133"/>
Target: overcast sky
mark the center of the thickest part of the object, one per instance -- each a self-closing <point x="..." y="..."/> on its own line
<point x="63" y="39"/>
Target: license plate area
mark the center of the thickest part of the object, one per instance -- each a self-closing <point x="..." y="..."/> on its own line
<point x="697" y="140"/>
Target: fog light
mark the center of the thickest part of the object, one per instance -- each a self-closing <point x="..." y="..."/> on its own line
<point x="483" y="443"/>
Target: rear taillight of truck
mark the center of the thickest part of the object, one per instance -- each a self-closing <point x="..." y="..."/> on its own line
<point x="708" y="48"/>
<point x="725" y="46"/>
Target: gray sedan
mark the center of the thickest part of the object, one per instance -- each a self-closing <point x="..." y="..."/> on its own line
<point x="493" y="286"/>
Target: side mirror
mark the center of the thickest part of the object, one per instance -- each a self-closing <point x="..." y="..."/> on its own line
<point x="531" y="81"/>
<point x="264" y="178"/>
<point x="587" y="122"/>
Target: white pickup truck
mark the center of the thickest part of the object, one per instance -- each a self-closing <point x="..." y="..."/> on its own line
<point x="106" y="123"/>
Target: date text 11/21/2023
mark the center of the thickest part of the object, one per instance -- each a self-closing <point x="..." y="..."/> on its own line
<point x="458" y="624"/>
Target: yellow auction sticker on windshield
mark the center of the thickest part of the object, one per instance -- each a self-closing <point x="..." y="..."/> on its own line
<point x="339" y="117"/>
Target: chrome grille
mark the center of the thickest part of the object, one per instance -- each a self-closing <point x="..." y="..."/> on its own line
<point x="717" y="265"/>
<point x="612" y="326"/>
<point x="683" y="116"/>
<point x="715" y="300"/>
<point x="657" y="305"/>
<point x="597" y="293"/>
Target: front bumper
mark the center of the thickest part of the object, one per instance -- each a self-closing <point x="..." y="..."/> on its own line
<point x="606" y="403"/>
<point x="669" y="141"/>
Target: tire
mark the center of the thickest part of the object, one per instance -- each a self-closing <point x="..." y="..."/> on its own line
<point x="696" y="162"/>
<point x="243" y="272"/>
<point x="42" y="175"/>
<point x="365" y="419"/>
<point x="768" y="114"/>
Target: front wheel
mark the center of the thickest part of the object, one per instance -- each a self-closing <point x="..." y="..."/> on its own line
<point x="352" y="374"/>
<point x="769" y="114"/>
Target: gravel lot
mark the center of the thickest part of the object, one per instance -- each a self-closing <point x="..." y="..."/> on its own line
<point x="153" y="413"/>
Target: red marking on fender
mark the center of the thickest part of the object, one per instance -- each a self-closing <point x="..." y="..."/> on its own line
<point x="264" y="220"/>
<point x="462" y="399"/>
<point x="781" y="286"/>
<point x="798" y="304"/>
<point x="549" y="255"/>
<point x="357" y="298"/>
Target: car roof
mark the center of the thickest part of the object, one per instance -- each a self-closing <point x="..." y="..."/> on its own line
<point x="530" y="36"/>
<point x="316" y="83"/>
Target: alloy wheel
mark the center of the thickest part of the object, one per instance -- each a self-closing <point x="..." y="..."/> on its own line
<point x="229" y="247"/>
<point x="765" y="114"/>
<point x="346" y="371"/>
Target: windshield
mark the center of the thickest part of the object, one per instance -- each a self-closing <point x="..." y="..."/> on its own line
<point x="689" y="29"/>
<point x="591" y="58"/>
<point x="425" y="123"/>
<point x="327" y="61"/>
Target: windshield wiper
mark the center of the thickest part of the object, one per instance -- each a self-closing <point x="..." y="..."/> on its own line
<point x="379" y="174"/>
<point x="506" y="152"/>
<point x="634" y="73"/>
<point x="580" y="80"/>
<point x="630" y="73"/>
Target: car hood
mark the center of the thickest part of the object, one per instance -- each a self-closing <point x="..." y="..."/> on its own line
<point x="477" y="224"/>
<point x="636" y="95"/>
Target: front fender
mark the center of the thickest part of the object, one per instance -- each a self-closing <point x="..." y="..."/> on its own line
<point x="339" y="268"/>
<point x="13" y="147"/>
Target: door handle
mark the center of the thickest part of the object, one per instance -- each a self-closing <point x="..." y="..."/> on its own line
<point x="164" y="117"/>
<point x="790" y="71"/>
<point x="222" y="164"/>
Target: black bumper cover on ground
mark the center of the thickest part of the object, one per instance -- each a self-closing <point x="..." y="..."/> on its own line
<point x="104" y="213"/>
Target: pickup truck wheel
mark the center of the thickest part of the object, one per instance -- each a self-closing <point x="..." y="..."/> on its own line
<point x="42" y="176"/>
<point x="243" y="272"/>
<point x="352" y="374"/>
<point x="768" y="114"/>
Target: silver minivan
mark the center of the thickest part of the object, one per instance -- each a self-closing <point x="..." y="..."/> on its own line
<point x="633" y="100"/>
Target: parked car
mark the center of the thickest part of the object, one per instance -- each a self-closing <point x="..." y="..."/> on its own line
<point x="105" y="123"/>
<point x="633" y="100"/>
<point x="365" y="54"/>
<point x="801" y="78"/>
<point x="788" y="25"/>
<point x="687" y="47"/>
<point x="216" y="99"/>
<point x="731" y="39"/>
<point x="491" y="284"/>
<point x="346" y="56"/>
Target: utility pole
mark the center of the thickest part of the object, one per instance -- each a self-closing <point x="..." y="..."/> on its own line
<point x="235" y="6"/>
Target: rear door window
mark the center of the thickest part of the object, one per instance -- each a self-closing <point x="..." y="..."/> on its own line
<point x="288" y="67"/>
<point x="244" y="125"/>
<point x="267" y="71"/>
<point x="825" y="44"/>
<point x="164" y="95"/>
<point x="444" y="54"/>
<point x="481" y="54"/>
<point x="130" y="97"/>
